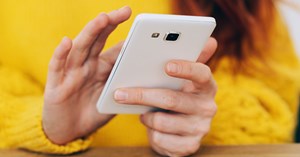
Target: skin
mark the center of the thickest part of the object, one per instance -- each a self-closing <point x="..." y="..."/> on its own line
<point x="78" y="71"/>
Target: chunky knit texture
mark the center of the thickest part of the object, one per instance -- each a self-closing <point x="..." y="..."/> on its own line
<point x="256" y="108"/>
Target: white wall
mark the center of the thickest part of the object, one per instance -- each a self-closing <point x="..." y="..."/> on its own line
<point x="291" y="12"/>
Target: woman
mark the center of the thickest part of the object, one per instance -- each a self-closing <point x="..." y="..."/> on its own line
<point x="254" y="47"/>
<point x="253" y="107"/>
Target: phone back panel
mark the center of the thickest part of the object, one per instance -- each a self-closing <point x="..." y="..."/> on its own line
<point x="142" y="60"/>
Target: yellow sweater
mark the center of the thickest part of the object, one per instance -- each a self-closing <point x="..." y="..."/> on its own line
<point x="257" y="109"/>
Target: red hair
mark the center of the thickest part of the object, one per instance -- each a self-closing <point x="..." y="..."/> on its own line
<point x="242" y="25"/>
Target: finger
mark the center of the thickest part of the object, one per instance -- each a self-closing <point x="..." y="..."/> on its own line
<point x="58" y="61"/>
<point x="111" y="55"/>
<point x="85" y="39"/>
<point x="200" y="74"/>
<point x="159" y="98"/>
<point x="156" y="148"/>
<point x="115" y="18"/>
<point x="177" y="124"/>
<point x="208" y="50"/>
<point x="174" y="145"/>
<point x="107" y="60"/>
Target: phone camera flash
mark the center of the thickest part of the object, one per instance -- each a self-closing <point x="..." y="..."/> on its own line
<point x="155" y="35"/>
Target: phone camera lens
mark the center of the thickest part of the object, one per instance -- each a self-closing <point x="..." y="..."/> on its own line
<point x="172" y="36"/>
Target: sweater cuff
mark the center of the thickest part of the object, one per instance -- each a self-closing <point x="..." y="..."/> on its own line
<point x="29" y="132"/>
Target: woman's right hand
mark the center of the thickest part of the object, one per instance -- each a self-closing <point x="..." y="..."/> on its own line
<point x="76" y="76"/>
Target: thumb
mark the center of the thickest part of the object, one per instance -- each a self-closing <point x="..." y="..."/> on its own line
<point x="208" y="50"/>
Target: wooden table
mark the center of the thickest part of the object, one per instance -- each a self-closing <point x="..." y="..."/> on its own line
<point x="292" y="150"/>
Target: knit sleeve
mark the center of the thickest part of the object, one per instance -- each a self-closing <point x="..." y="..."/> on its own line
<point x="257" y="106"/>
<point x="21" y="116"/>
<point x="255" y="110"/>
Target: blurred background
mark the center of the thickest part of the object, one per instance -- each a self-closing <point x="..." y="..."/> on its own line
<point x="291" y="11"/>
<point x="32" y="29"/>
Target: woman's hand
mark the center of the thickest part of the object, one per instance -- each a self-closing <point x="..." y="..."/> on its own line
<point x="76" y="76"/>
<point x="178" y="132"/>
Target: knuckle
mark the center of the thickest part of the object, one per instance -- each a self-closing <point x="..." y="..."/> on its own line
<point x="206" y="74"/>
<point x="51" y="64"/>
<point x="197" y="129"/>
<point x="93" y="24"/>
<point x="192" y="148"/>
<point x="210" y="109"/>
<point x="156" y="138"/>
<point x="103" y="21"/>
<point x="139" y="98"/>
<point x="171" y="100"/>
<point x="158" y="121"/>
<point x="200" y="128"/>
<point x="188" y="69"/>
<point x="77" y="47"/>
<point x="204" y="129"/>
<point x="98" y="23"/>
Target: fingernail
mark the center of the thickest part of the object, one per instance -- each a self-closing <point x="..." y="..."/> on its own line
<point x="64" y="39"/>
<point x="121" y="95"/>
<point x="172" y="67"/>
<point x="126" y="6"/>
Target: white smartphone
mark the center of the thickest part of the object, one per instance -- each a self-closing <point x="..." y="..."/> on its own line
<point x="153" y="40"/>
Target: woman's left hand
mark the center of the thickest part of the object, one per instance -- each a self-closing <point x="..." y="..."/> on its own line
<point x="178" y="132"/>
